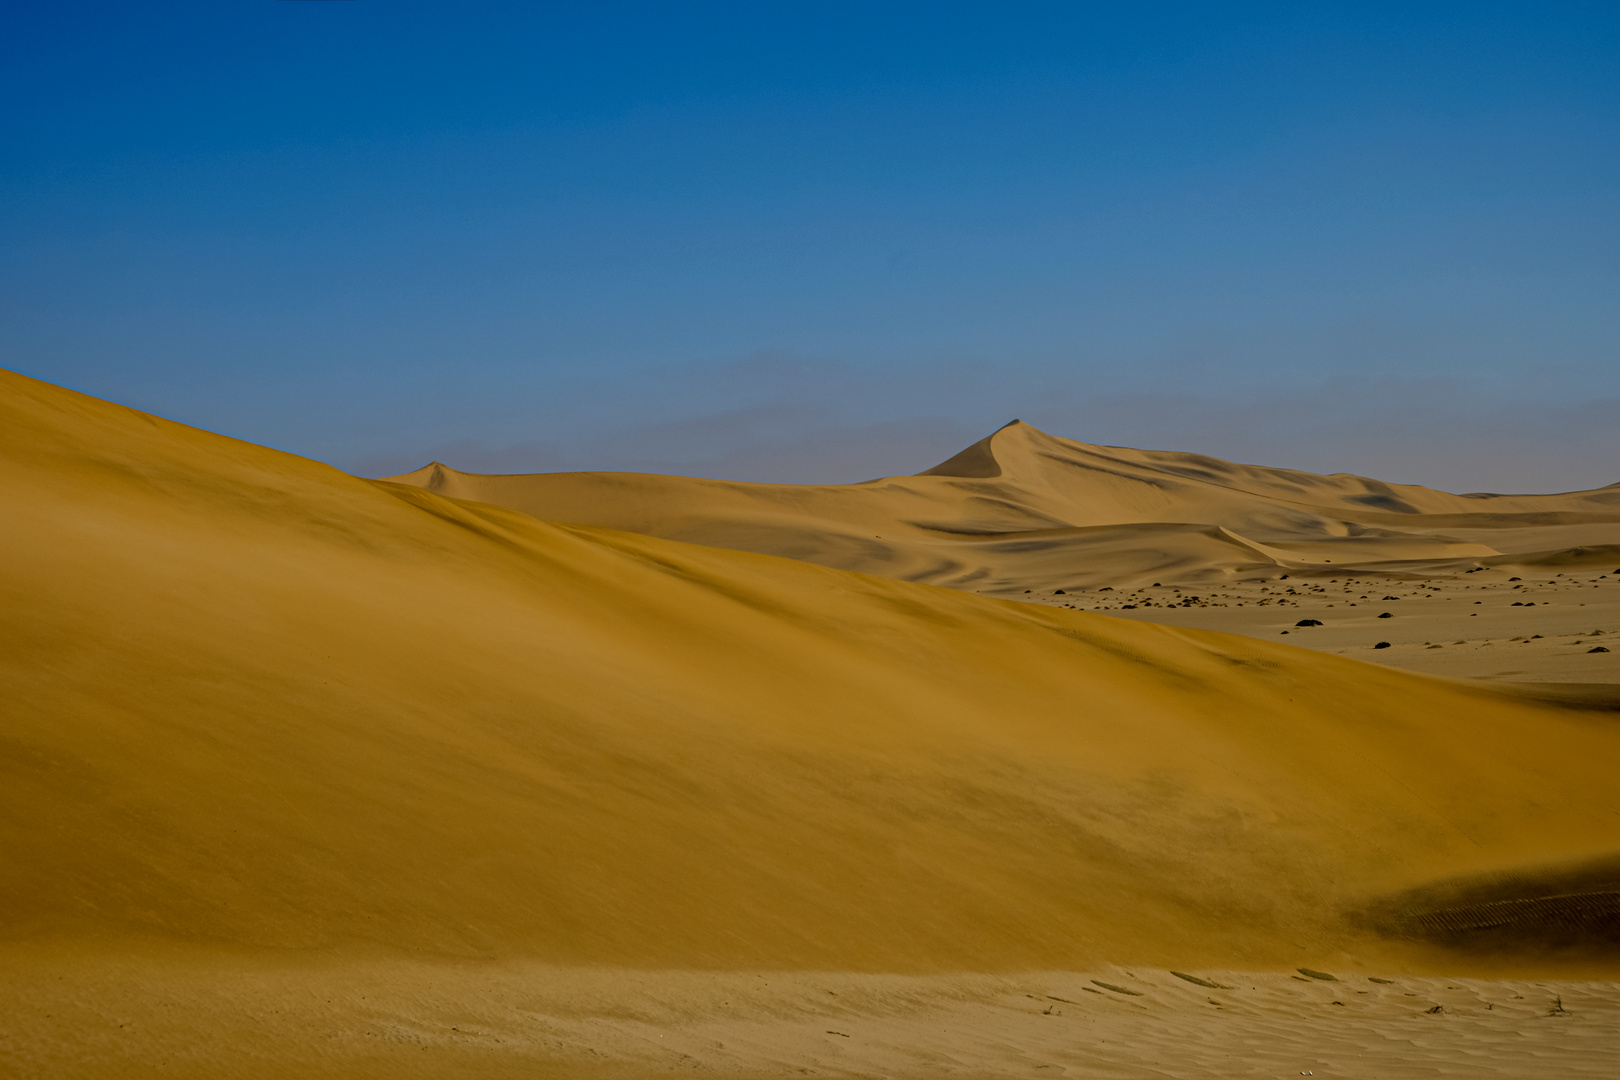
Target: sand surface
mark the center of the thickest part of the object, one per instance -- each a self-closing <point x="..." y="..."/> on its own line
<point x="1026" y="510"/>
<point x="275" y="733"/>
<point x="1023" y="514"/>
<point x="1551" y="627"/>
<point x="438" y="1019"/>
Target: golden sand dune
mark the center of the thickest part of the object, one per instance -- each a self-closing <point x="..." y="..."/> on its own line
<point x="1026" y="510"/>
<point x="266" y="722"/>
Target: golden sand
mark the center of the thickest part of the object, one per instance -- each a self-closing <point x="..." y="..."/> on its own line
<point x="1178" y="538"/>
<point x="274" y="734"/>
<point x="1024" y="510"/>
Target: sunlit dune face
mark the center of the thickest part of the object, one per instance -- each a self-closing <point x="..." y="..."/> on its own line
<point x="281" y="736"/>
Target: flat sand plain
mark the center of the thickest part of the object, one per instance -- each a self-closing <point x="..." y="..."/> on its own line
<point x="304" y="772"/>
<point x="1495" y="624"/>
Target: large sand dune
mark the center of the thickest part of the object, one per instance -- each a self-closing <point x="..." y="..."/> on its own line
<point x="266" y="722"/>
<point x="1171" y="537"/>
<point x="1024" y="510"/>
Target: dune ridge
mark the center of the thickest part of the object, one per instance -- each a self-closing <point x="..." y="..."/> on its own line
<point x="1025" y="510"/>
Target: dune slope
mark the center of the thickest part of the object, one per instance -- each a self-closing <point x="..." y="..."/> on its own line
<point x="306" y="775"/>
<point x="1024" y="510"/>
<point x="253" y="700"/>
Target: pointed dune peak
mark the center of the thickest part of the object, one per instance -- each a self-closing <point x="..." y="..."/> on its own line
<point x="1024" y="455"/>
<point x="981" y="460"/>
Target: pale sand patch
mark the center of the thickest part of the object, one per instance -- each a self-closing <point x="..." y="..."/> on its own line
<point x="1509" y="625"/>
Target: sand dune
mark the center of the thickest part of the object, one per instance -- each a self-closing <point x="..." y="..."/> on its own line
<point x="267" y="722"/>
<point x="1024" y="510"/>
<point x="1158" y="536"/>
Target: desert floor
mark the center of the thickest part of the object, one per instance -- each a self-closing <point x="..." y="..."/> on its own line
<point x="1518" y="626"/>
<point x="202" y="1018"/>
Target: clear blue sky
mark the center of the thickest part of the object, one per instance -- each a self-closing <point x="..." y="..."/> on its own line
<point x="827" y="240"/>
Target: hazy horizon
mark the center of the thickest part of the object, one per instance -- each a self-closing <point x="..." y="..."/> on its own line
<point x="823" y="243"/>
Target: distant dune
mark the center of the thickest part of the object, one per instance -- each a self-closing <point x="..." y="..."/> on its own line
<point x="266" y="721"/>
<point x="1024" y="510"/>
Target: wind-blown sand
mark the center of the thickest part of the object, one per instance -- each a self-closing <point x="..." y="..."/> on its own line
<point x="305" y="773"/>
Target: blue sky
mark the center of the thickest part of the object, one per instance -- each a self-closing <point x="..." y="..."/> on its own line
<point x="827" y="241"/>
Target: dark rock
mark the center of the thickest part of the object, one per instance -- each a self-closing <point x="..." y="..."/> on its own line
<point x="1199" y="982"/>
<point x="1309" y="622"/>
<point x="1382" y="645"/>
<point x="1115" y="989"/>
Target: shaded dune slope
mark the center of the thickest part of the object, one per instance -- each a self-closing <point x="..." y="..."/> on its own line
<point x="1022" y="509"/>
<point x="255" y="702"/>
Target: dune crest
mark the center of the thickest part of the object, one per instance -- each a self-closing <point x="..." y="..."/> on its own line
<point x="1024" y="510"/>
